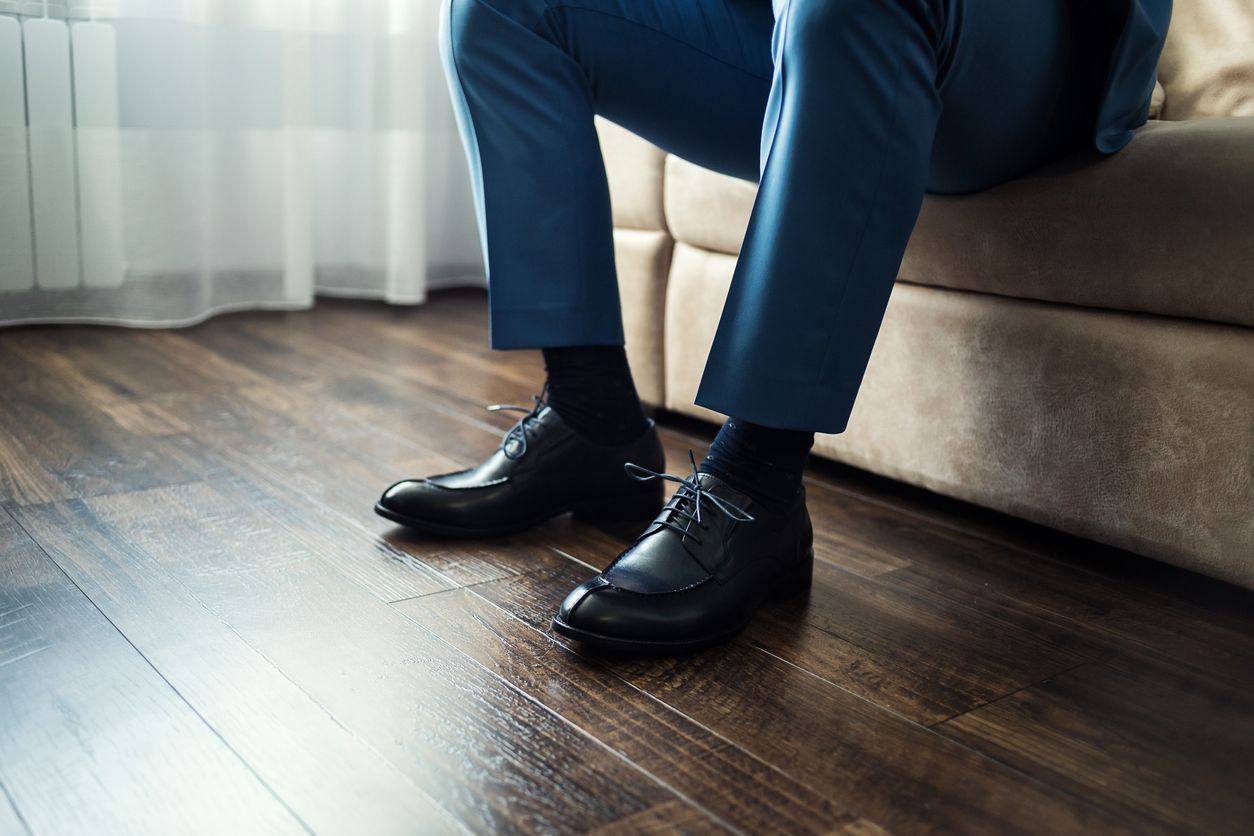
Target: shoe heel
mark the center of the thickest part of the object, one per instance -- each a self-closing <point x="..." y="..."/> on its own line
<point x="796" y="581"/>
<point x="639" y="507"/>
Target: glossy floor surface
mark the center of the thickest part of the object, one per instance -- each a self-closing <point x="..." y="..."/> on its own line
<point x="203" y="627"/>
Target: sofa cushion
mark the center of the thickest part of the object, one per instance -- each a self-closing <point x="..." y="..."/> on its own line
<point x="1207" y="64"/>
<point x="1161" y="227"/>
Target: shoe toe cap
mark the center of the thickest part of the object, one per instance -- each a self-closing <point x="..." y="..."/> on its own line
<point x="573" y="610"/>
<point x="406" y="496"/>
<point x="400" y="491"/>
<point x="598" y="608"/>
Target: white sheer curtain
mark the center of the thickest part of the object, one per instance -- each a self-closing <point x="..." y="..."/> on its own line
<point x="163" y="160"/>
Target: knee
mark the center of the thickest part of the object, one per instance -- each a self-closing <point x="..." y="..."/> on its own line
<point x="812" y="27"/>
<point x="460" y="24"/>
<point x="477" y="24"/>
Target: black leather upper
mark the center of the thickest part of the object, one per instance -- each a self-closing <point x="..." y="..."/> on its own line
<point x="542" y="469"/>
<point x="686" y="581"/>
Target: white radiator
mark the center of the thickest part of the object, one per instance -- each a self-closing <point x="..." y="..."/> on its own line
<point x="60" y="195"/>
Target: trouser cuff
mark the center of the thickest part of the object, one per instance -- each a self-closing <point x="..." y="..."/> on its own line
<point x="783" y="404"/>
<point x="554" y="327"/>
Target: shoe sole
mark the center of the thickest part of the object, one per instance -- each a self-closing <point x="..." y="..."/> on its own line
<point x="794" y="583"/>
<point x="453" y="531"/>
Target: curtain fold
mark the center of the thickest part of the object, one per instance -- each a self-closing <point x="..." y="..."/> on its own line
<point x="162" y="160"/>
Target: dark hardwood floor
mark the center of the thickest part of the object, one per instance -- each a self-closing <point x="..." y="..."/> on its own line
<point x="204" y="628"/>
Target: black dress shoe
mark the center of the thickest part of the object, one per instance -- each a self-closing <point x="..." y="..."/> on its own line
<point x="542" y="469"/>
<point x="696" y="575"/>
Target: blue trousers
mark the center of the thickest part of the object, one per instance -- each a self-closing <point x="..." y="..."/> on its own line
<point x="844" y="111"/>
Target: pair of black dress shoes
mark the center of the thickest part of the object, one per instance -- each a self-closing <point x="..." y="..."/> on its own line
<point x="695" y="576"/>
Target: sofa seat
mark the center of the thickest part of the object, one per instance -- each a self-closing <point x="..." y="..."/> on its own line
<point x="1149" y="230"/>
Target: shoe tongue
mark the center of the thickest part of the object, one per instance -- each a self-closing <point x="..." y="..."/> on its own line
<point x="712" y="484"/>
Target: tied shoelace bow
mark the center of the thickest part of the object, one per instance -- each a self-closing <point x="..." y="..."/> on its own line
<point x="514" y="442"/>
<point x="691" y="492"/>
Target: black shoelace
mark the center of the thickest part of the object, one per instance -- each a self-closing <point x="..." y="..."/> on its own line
<point x="514" y="442"/>
<point x="685" y="506"/>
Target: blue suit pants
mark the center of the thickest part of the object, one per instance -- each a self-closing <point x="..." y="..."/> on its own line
<point x="844" y="111"/>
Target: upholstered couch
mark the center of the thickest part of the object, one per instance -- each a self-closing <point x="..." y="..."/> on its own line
<point x="1075" y="347"/>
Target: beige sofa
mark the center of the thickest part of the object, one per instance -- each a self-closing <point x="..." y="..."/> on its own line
<point x="1075" y="348"/>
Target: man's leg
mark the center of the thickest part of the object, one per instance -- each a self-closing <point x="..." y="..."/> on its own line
<point x="871" y="103"/>
<point x="855" y="131"/>
<point x="527" y="77"/>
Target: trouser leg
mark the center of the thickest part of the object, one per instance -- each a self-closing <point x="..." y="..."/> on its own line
<point x="860" y="105"/>
<point x="873" y="102"/>
<point x="527" y="77"/>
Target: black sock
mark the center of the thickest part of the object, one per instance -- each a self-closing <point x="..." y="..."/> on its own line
<point x="590" y="386"/>
<point x="762" y="462"/>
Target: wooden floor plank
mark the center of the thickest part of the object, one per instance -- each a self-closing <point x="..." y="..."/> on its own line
<point x="932" y="644"/>
<point x="1081" y="558"/>
<point x="667" y="817"/>
<point x="1143" y="736"/>
<point x="112" y="364"/>
<point x="67" y="450"/>
<point x="292" y="743"/>
<point x="23" y="477"/>
<point x="875" y="763"/>
<point x="259" y="349"/>
<point x="408" y="345"/>
<point x="319" y="485"/>
<point x="30" y="358"/>
<point x="94" y="740"/>
<point x="399" y="360"/>
<point x="322" y="483"/>
<point x="1066" y="603"/>
<point x="722" y="778"/>
<point x="463" y="431"/>
<point x="496" y="760"/>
